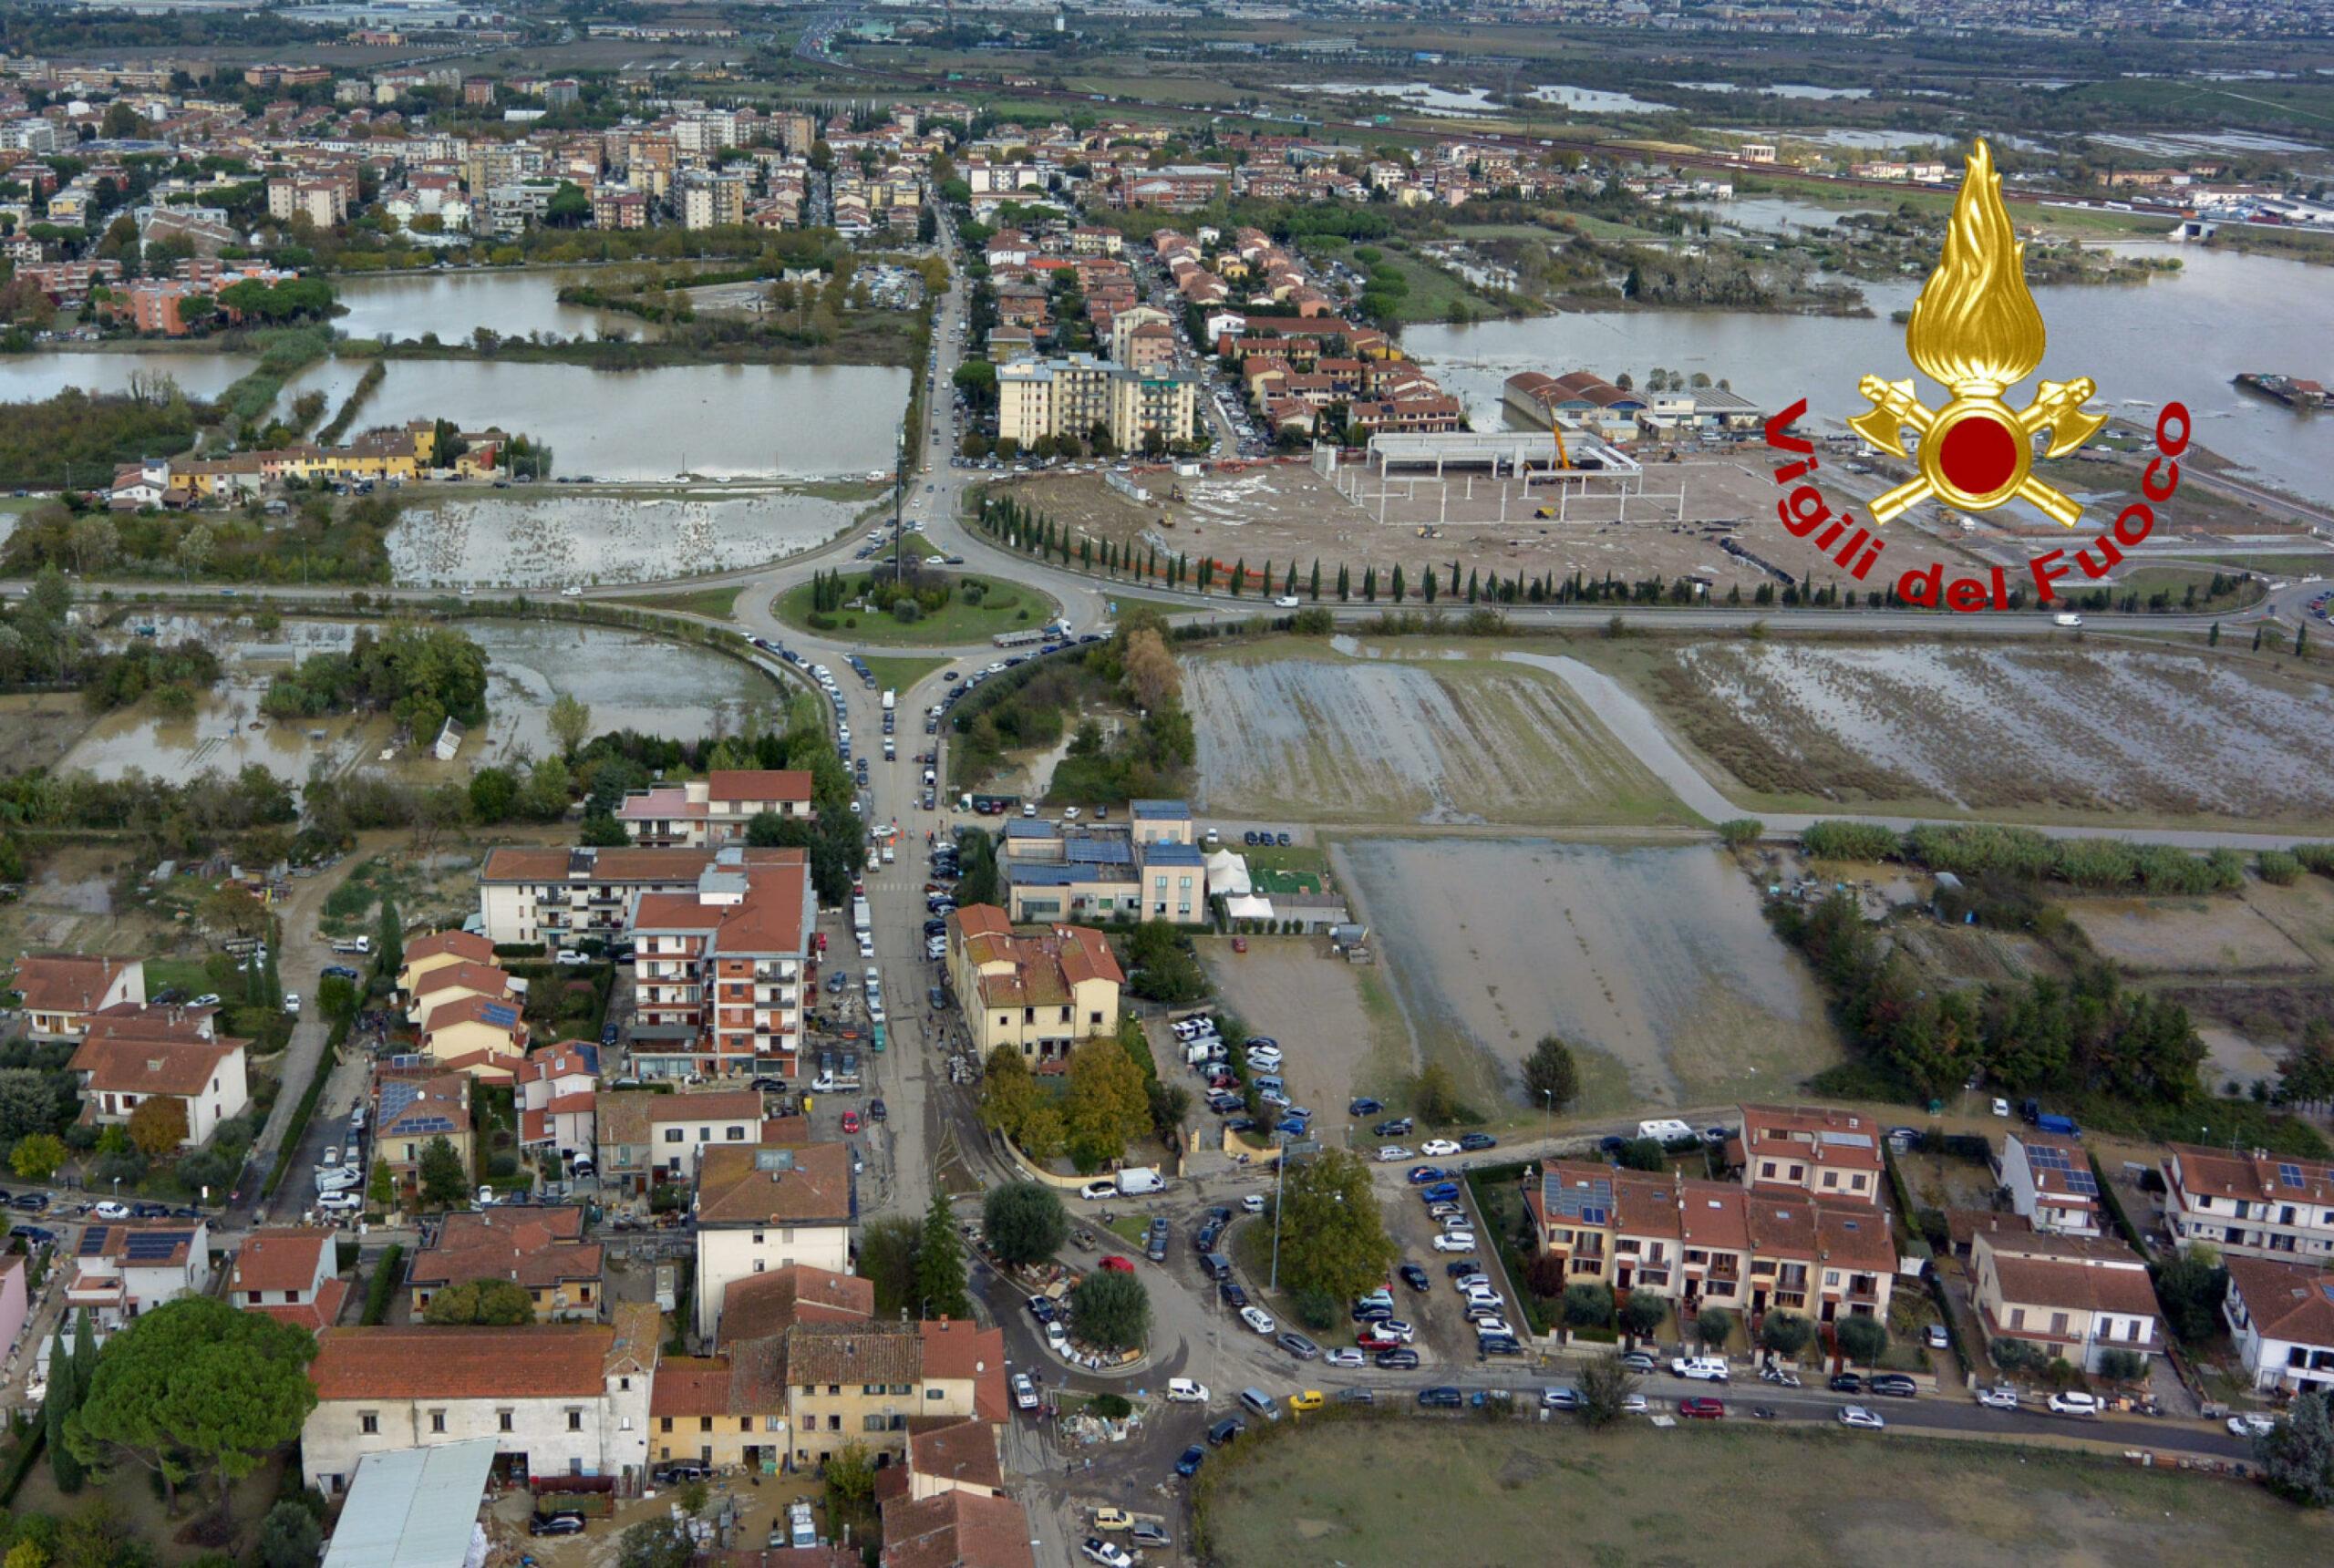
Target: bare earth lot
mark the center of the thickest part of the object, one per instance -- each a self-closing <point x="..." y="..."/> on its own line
<point x="2033" y="729"/>
<point x="1340" y="1032"/>
<point x="1309" y="734"/>
<point x="2227" y="935"/>
<point x="1655" y="963"/>
<point x="1650" y="1499"/>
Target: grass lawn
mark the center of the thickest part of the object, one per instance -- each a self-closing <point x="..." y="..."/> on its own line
<point x="1435" y="293"/>
<point x="192" y="976"/>
<point x="1127" y="603"/>
<point x="1296" y="861"/>
<point x="2094" y="222"/>
<point x="897" y="672"/>
<point x="716" y="603"/>
<point x="1635" y="1494"/>
<point x="1005" y="607"/>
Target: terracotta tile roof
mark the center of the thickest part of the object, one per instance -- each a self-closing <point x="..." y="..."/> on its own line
<point x="743" y="1184"/>
<point x="759" y="784"/>
<point x="315" y="1315"/>
<point x="2215" y="1172"/>
<point x="691" y="1386"/>
<point x="418" y="1105"/>
<point x="624" y="1116"/>
<point x="571" y="1061"/>
<point x="1039" y="971"/>
<point x="494" y="1064"/>
<point x="962" y="1351"/>
<point x="1846" y="1236"/>
<point x="521" y="863"/>
<point x="496" y="1014"/>
<point x="484" y="979"/>
<point x="537" y="1247"/>
<point x="65" y="982"/>
<point x="708" y="1104"/>
<point x="2293" y="1302"/>
<point x="281" y="1258"/>
<point x="136" y="1065"/>
<point x="2042" y="1282"/>
<point x="1964" y="1226"/>
<point x="784" y="1132"/>
<point x="851" y="1354"/>
<point x="961" y="1451"/>
<point x="468" y="946"/>
<point x="956" y="1530"/>
<point x="532" y="1361"/>
<point x="1814" y="1133"/>
<point x="765" y="1305"/>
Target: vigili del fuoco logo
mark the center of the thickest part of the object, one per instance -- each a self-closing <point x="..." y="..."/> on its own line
<point x="1977" y="332"/>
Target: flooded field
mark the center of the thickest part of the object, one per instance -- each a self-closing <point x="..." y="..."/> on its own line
<point x="1655" y="963"/>
<point x="1327" y="738"/>
<point x="2033" y="727"/>
<point x="630" y="681"/>
<point x="548" y="540"/>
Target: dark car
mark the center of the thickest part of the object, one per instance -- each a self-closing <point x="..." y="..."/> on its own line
<point x="1224" y="1430"/>
<point x="1474" y="1142"/>
<point x="1440" y="1193"/>
<point x="1847" y="1383"/>
<point x="1373" y="1311"/>
<point x="1412" y="1276"/>
<point x="877" y="1110"/>
<point x="1364" y="1108"/>
<point x="30" y="1202"/>
<point x="1498" y="1345"/>
<point x="341" y="972"/>
<point x="1611" y="1145"/>
<point x="35" y="1235"/>
<point x="935" y="928"/>
<point x="1205" y="1237"/>
<point x="1441" y="1398"/>
<point x="1235" y="1295"/>
<point x="1401" y="1358"/>
<point x="1248" y="837"/>
<point x="936" y="998"/>
<point x="1702" y="1409"/>
<point x="1194" y="1457"/>
<point x="1154" y="1245"/>
<point x="1639" y="1361"/>
<point x="1296" y="1344"/>
<point x="680" y="1474"/>
<point x="1460" y="1268"/>
<point x="1422" y="1174"/>
<point x="149" y="1210"/>
<point x="555" y="1525"/>
<point x="1394" y="1126"/>
<point x="1041" y="1308"/>
<point x="1894" y="1386"/>
<point x="608" y="1034"/>
<point x="769" y="1085"/>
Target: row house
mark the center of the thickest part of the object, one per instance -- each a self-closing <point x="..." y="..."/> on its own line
<point x="1711" y="1244"/>
<point x="848" y="1383"/>
<point x="1407" y="416"/>
<point x="647" y="1137"/>
<point x="1827" y="1153"/>
<point x="291" y="1273"/>
<point x="441" y="984"/>
<point x="557" y="1399"/>
<point x="2282" y="1317"/>
<point x="2254" y="1204"/>
<point x="558" y="1094"/>
<point x="540" y="1248"/>
<point x="2071" y="1297"/>
<point x="718" y="970"/>
<point x="715" y="809"/>
<point x="479" y="1037"/>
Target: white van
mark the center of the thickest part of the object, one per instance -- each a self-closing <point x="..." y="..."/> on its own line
<point x="1664" y="1130"/>
<point x="1183" y="1391"/>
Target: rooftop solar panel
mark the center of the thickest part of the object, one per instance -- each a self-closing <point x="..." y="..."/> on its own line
<point x="2290" y="1174"/>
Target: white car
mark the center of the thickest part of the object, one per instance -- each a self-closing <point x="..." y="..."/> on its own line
<point x="109" y="1209"/>
<point x="1107" y="1554"/>
<point x="2001" y="1106"/>
<point x="291" y="1002"/>
<point x="2002" y="1396"/>
<point x="1455" y="1241"/>
<point x="1057" y="1338"/>
<point x="1258" y="1319"/>
<point x="1096" y="1190"/>
<point x="340" y="1178"/>
<point x="1436" y="1148"/>
<point x="1285" y="602"/>
<point x="1345" y="1355"/>
<point x="1025" y="1393"/>
<point x="1857" y="1416"/>
<point x="340" y="1202"/>
<point x="1394" y="1154"/>
<point x="1183" y="1391"/>
<point x="1487" y="1328"/>
<point x="875" y="1014"/>
<point x="1253" y="1204"/>
<point x="2074" y="1402"/>
<point x="2251" y="1425"/>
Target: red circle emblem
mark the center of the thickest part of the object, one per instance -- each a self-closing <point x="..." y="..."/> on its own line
<point x="1980" y="455"/>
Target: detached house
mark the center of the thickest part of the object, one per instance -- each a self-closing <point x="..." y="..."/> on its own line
<point x="713" y="811"/>
<point x="2282" y="1317"/>
<point x="1825" y="1153"/>
<point x="409" y="1113"/>
<point x="62" y="990"/>
<point x="479" y="1037"/>
<point x="427" y="953"/>
<point x="2051" y="1182"/>
<point x="130" y="1054"/>
<point x="2255" y="1205"/>
<point x="558" y="1099"/>
<point x="539" y="1248"/>
<point x="128" y="1266"/>
<point x="1042" y="994"/>
<point x="2075" y="1298"/>
<point x="291" y="1273"/>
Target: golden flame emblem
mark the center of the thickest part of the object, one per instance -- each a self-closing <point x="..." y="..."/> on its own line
<point x="1976" y="330"/>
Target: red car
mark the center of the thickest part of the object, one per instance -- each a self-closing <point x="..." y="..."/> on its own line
<point x="1703" y="1410"/>
<point x="850" y="1122"/>
<point x="1118" y="1264"/>
<point x="1369" y="1338"/>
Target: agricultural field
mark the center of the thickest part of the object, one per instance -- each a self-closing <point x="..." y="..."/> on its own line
<point x="1655" y="962"/>
<point x="2035" y="731"/>
<point x="1640" y="1496"/>
<point x="1304" y="733"/>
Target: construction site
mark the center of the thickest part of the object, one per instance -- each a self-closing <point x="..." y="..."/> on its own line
<point x="1504" y="503"/>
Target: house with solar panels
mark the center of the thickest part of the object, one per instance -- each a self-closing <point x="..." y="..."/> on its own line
<point x="2253" y="1204"/>
<point x="2049" y="1183"/>
<point x="124" y="1267"/>
<point x="2076" y="1297"/>
<point x="479" y="1037"/>
<point x="408" y="1112"/>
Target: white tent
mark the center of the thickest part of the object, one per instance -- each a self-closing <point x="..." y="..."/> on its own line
<point x="1227" y="873"/>
<point x="1249" y="907"/>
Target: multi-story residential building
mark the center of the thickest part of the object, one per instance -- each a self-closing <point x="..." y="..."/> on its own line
<point x="710" y="200"/>
<point x="1102" y="872"/>
<point x="561" y="1398"/>
<point x="2050" y="1182"/>
<point x="718" y="970"/>
<point x="124" y="1267"/>
<point x="558" y="1100"/>
<point x="759" y="1209"/>
<point x="483" y="1037"/>
<point x="540" y="1248"/>
<point x="444" y="984"/>
<point x="62" y="990"/>
<point x="528" y="895"/>
<point x="410" y="1111"/>
<point x="2075" y="1298"/>
<point x="765" y="1305"/>
<point x="682" y="1127"/>
<point x="619" y="207"/>
<point x="1832" y="1154"/>
<point x="425" y="954"/>
<point x="1041" y="995"/>
<point x="722" y="1410"/>
<point x="132" y="1054"/>
<point x="323" y="202"/>
<point x="291" y="1273"/>
<point x="2254" y="1204"/>
<point x="715" y="809"/>
<point x="2282" y="1317"/>
<point x="516" y="207"/>
<point x="1075" y="395"/>
<point x="851" y="1383"/>
<point x="1711" y="1244"/>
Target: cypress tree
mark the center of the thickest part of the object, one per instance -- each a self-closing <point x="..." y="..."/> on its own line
<point x="1314" y="591"/>
<point x="1345" y="584"/>
<point x="1398" y="585"/>
<point x="1370" y="585"/>
<point x="64" y="1394"/>
<point x="1151" y="570"/>
<point x="1239" y="575"/>
<point x="1427" y="588"/>
<point x="1289" y="587"/>
<point x="1471" y="585"/>
<point x="2214" y="641"/>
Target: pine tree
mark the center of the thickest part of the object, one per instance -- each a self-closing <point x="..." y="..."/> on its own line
<point x="85" y="1349"/>
<point x="2256" y="639"/>
<point x="1151" y="570"/>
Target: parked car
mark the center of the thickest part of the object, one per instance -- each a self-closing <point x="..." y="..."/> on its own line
<point x="1108" y="1553"/>
<point x="1434" y="1147"/>
<point x="1474" y="1142"/>
<point x="1893" y="1386"/>
<point x="1192" y="1458"/>
<point x="1096" y="1190"/>
<point x="1847" y="1383"/>
<point x="1345" y="1355"/>
<point x="1401" y="1358"/>
<point x="2000" y="1397"/>
<point x="1857" y="1416"/>
<point x="555" y="1525"/>
<point x="109" y="1209"/>
<point x="1781" y="1376"/>
<point x="1638" y="1361"/>
<point x="2249" y="1425"/>
<point x="1455" y="1241"/>
<point x="1702" y="1409"/>
<point x="1258" y="1320"/>
<point x="1441" y="1398"/>
<point x="2074" y="1402"/>
<point x="1413" y="1277"/>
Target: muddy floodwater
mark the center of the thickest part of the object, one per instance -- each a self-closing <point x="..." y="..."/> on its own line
<point x="631" y="681"/>
<point x="1656" y="963"/>
<point x="543" y="539"/>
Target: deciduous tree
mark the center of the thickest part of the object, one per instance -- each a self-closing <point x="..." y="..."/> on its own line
<point x="2298" y="1453"/>
<point x="1332" y="1232"/>
<point x="498" y="1301"/>
<point x="158" y="1126"/>
<point x="1024" y="1221"/>
<point x="1111" y="1310"/>
<point x="444" y="1180"/>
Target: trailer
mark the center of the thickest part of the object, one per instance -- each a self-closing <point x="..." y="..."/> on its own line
<point x="1021" y="639"/>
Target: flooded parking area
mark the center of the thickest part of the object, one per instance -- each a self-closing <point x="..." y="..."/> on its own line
<point x="1440" y="740"/>
<point x="2048" y="726"/>
<point x="1655" y="963"/>
<point x="543" y="539"/>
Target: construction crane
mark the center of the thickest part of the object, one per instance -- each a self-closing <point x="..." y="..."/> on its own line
<point x="1564" y="459"/>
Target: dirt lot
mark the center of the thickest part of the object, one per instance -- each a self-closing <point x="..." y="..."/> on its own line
<point x="1302" y="731"/>
<point x="2034" y="731"/>
<point x="1340" y="1032"/>
<point x="1284" y="512"/>
<point x="2227" y="936"/>
<point x="1641" y="1496"/>
<point x="1655" y="963"/>
<point x="38" y="728"/>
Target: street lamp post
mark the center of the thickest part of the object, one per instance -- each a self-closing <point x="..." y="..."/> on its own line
<point x="1549" y="1096"/>
<point x="1279" y="1165"/>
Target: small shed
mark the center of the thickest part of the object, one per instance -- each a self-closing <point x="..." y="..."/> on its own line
<point x="449" y="740"/>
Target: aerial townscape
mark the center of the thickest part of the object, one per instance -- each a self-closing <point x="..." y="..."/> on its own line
<point x="1251" y="783"/>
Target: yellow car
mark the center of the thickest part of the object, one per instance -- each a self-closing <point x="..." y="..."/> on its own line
<point x="1311" y="1399"/>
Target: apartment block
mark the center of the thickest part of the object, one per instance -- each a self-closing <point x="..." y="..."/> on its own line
<point x="718" y="968"/>
<point x="2254" y="1204"/>
<point x="715" y="809"/>
<point x="1075" y="395"/>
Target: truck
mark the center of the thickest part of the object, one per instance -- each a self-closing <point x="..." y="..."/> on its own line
<point x="860" y="921"/>
<point x="2067" y="618"/>
<point x="1022" y="638"/>
<point x="1137" y="1179"/>
<point x="362" y="944"/>
<point x="891" y="700"/>
<point x="2064" y="1126"/>
<point x="801" y="1532"/>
